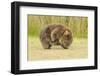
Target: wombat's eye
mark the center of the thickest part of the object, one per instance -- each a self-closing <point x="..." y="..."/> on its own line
<point x="68" y="36"/>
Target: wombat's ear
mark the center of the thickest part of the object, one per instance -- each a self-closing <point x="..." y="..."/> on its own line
<point x="54" y="34"/>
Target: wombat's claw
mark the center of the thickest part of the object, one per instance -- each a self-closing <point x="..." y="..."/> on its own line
<point x="64" y="47"/>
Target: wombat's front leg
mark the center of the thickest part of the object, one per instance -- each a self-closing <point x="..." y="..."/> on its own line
<point x="46" y="45"/>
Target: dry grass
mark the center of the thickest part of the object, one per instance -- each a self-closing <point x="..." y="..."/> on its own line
<point x="77" y="50"/>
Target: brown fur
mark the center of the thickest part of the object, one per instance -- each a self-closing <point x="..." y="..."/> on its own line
<point x="56" y="34"/>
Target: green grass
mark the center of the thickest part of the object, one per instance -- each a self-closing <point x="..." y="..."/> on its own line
<point x="77" y="24"/>
<point x="78" y="49"/>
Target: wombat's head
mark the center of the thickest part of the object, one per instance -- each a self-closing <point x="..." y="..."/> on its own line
<point x="66" y="39"/>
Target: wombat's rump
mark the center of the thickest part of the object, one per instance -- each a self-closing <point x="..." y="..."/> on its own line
<point x="56" y="34"/>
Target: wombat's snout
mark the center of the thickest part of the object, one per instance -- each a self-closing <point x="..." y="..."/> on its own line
<point x="68" y="37"/>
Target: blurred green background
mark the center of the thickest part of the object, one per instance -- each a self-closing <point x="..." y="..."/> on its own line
<point x="77" y="24"/>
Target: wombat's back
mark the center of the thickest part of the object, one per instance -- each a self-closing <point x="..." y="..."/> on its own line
<point x="47" y="31"/>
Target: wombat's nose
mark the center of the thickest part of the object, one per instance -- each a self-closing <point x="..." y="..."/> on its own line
<point x="68" y="36"/>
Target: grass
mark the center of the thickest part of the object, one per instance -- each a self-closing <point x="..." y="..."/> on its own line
<point x="78" y="50"/>
<point x="77" y="24"/>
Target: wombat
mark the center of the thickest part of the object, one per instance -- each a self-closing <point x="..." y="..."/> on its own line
<point x="56" y="34"/>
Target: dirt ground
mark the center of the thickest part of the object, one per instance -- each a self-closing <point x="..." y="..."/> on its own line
<point x="78" y="50"/>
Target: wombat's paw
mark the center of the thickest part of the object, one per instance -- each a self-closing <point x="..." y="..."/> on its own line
<point x="46" y="46"/>
<point x="65" y="47"/>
